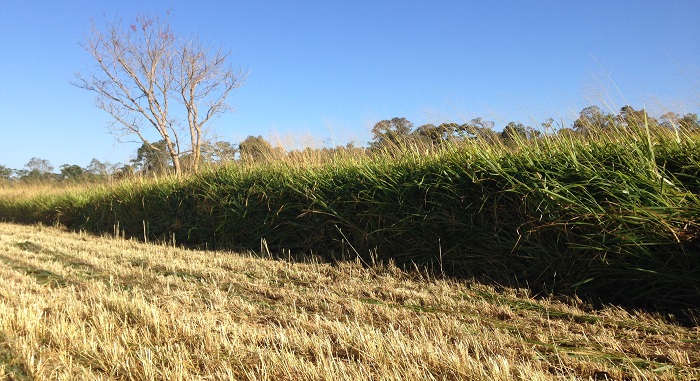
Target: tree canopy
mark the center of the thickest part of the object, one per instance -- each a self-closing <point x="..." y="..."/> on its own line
<point x="390" y="132"/>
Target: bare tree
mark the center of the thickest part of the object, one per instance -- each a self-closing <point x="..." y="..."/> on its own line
<point x="145" y="71"/>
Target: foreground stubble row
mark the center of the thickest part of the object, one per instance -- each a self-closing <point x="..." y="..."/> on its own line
<point x="75" y="306"/>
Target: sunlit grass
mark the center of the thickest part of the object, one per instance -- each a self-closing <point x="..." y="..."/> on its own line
<point x="73" y="306"/>
<point x="24" y="190"/>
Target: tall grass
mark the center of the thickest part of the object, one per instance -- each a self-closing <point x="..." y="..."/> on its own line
<point x="614" y="215"/>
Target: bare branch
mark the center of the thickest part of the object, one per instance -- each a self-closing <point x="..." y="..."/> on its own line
<point x="142" y="68"/>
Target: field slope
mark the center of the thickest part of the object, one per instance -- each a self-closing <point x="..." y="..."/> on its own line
<point x="75" y="306"/>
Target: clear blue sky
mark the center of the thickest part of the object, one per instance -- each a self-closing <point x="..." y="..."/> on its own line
<point x="328" y="70"/>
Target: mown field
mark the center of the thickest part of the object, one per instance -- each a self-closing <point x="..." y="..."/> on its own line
<point x="75" y="306"/>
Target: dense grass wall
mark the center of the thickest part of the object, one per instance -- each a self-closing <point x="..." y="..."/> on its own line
<point x="613" y="218"/>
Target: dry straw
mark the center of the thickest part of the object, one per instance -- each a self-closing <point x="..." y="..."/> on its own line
<point x="79" y="307"/>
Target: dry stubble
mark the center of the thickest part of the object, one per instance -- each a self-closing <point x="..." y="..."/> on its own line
<point x="74" y="306"/>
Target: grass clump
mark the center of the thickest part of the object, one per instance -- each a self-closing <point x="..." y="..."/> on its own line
<point x="612" y="216"/>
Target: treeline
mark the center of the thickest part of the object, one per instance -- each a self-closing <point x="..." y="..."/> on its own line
<point x="593" y="118"/>
<point x="41" y="170"/>
<point x="154" y="159"/>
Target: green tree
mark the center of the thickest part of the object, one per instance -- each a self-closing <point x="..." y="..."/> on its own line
<point x="125" y="171"/>
<point x="518" y="131"/>
<point x="480" y="129"/>
<point x="487" y="135"/>
<point x="669" y="120"/>
<point x="255" y="148"/>
<point x="429" y="133"/>
<point x="690" y="122"/>
<point x="101" y="169"/>
<point x="219" y="152"/>
<point x="672" y="120"/>
<point x="629" y="117"/>
<point x="548" y="125"/>
<point x="98" y="170"/>
<point x="451" y="131"/>
<point x="72" y="172"/>
<point x="41" y="166"/>
<point x="477" y="128"/>
<point x="152" y="159"/>
<point x="6" y="173"/>
<point x="390" y="132"/>
<point x="438" y="134"/>
<point x="592" y="118"/>
<point x="513" y="132"/>
<point x="36" y="169"/>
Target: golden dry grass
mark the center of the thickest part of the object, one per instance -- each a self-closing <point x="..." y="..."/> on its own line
<point x="79" y="307"/>
<point x="20" y="190"/>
